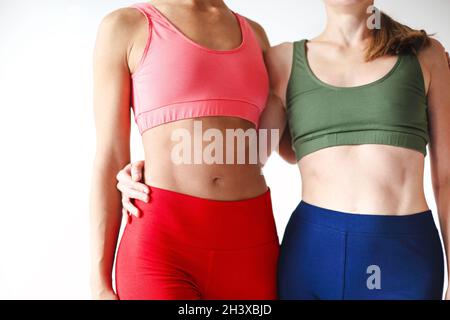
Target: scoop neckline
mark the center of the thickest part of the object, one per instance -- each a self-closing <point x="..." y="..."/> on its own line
<point x="330" y="86"/>
<point x="186" y="38"/>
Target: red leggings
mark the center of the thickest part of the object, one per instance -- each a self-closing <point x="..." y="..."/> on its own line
<point x="185" y="248"/>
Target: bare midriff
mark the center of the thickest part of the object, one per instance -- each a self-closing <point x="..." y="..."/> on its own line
<point x="365" y="179"/>
<point x="226" y="182"/>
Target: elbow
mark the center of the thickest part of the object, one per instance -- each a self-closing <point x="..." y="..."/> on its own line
<point x="105" y="170"/>
<point x="441" y="181"/>
<point x="441" y="185"/>
<point x="111" y="159"/>
<point x="289" y="157"/>
<point x="291" y="160"/>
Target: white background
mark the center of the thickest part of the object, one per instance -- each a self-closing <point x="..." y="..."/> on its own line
<point x="47" y="130"/>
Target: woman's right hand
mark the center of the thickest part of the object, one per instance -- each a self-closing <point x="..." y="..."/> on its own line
<point x="129" y="183"/>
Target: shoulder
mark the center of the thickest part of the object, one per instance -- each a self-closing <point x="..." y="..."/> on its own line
<point x="281" y="50"/>
<point x="256" y="27"/>
<point x="122" y="18"/>
<point x="260" y="33"/>
<point x="280" y="55"/>
<point x="434" y="49"/>
<point x="433" y="56"/>
<point x="121" y="24"/>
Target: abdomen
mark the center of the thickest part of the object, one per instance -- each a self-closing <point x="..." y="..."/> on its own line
<point x="190" y="164"/>
<point x="369" y="179"/>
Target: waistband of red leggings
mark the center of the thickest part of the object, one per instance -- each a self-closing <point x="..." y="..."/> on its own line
<point x="207" y="223"/>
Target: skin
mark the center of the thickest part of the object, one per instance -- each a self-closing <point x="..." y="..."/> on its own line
<point x="121" y="40"/>
<point x="374" y="179"/>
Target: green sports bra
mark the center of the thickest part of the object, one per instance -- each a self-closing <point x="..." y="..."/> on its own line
<point x="390" y="111"/>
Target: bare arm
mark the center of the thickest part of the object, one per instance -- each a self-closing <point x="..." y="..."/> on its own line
<point x="273" y="116"/>
<point x="285" y="148"/>
<point x="278" y="61"/>
<point x="439" y="115"/>
<point x="112" y="120"/>
<point x="279" y="64"/>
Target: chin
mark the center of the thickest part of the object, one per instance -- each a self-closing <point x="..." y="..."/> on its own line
<point x="347" y="3"/>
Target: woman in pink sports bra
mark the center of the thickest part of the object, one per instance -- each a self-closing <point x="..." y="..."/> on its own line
<point x="205" y="230"/>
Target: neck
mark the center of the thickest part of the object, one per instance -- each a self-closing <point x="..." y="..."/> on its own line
<point x="203" y="4"/>
<point x="347" y="25"/>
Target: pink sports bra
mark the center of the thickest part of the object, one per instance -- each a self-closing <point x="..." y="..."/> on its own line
<point x="178" y="79"/>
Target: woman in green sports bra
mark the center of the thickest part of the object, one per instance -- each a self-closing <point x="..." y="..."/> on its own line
<point x="361" y="106"/>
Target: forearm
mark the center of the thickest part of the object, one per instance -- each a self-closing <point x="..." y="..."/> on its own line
<point x="105" y="221"/>
<point x="443" y="207"/>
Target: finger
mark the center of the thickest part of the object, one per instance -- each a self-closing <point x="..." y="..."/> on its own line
<point x="124" y="174"/>
<point x="125" y="181"/>
<point x="136" y="194"/>
<point x="136" y="175"/>
<point x="125" y="188"/>
<point x="136" y="170"/>
<point x="130" y="207"/>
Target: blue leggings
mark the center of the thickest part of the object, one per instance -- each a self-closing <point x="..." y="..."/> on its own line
<point x="333" y="255"/>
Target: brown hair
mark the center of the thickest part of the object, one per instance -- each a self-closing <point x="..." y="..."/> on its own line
<point x="394" y="38"/>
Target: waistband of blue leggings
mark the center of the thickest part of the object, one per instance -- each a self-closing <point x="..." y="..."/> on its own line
<point x="422" y="222"/>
